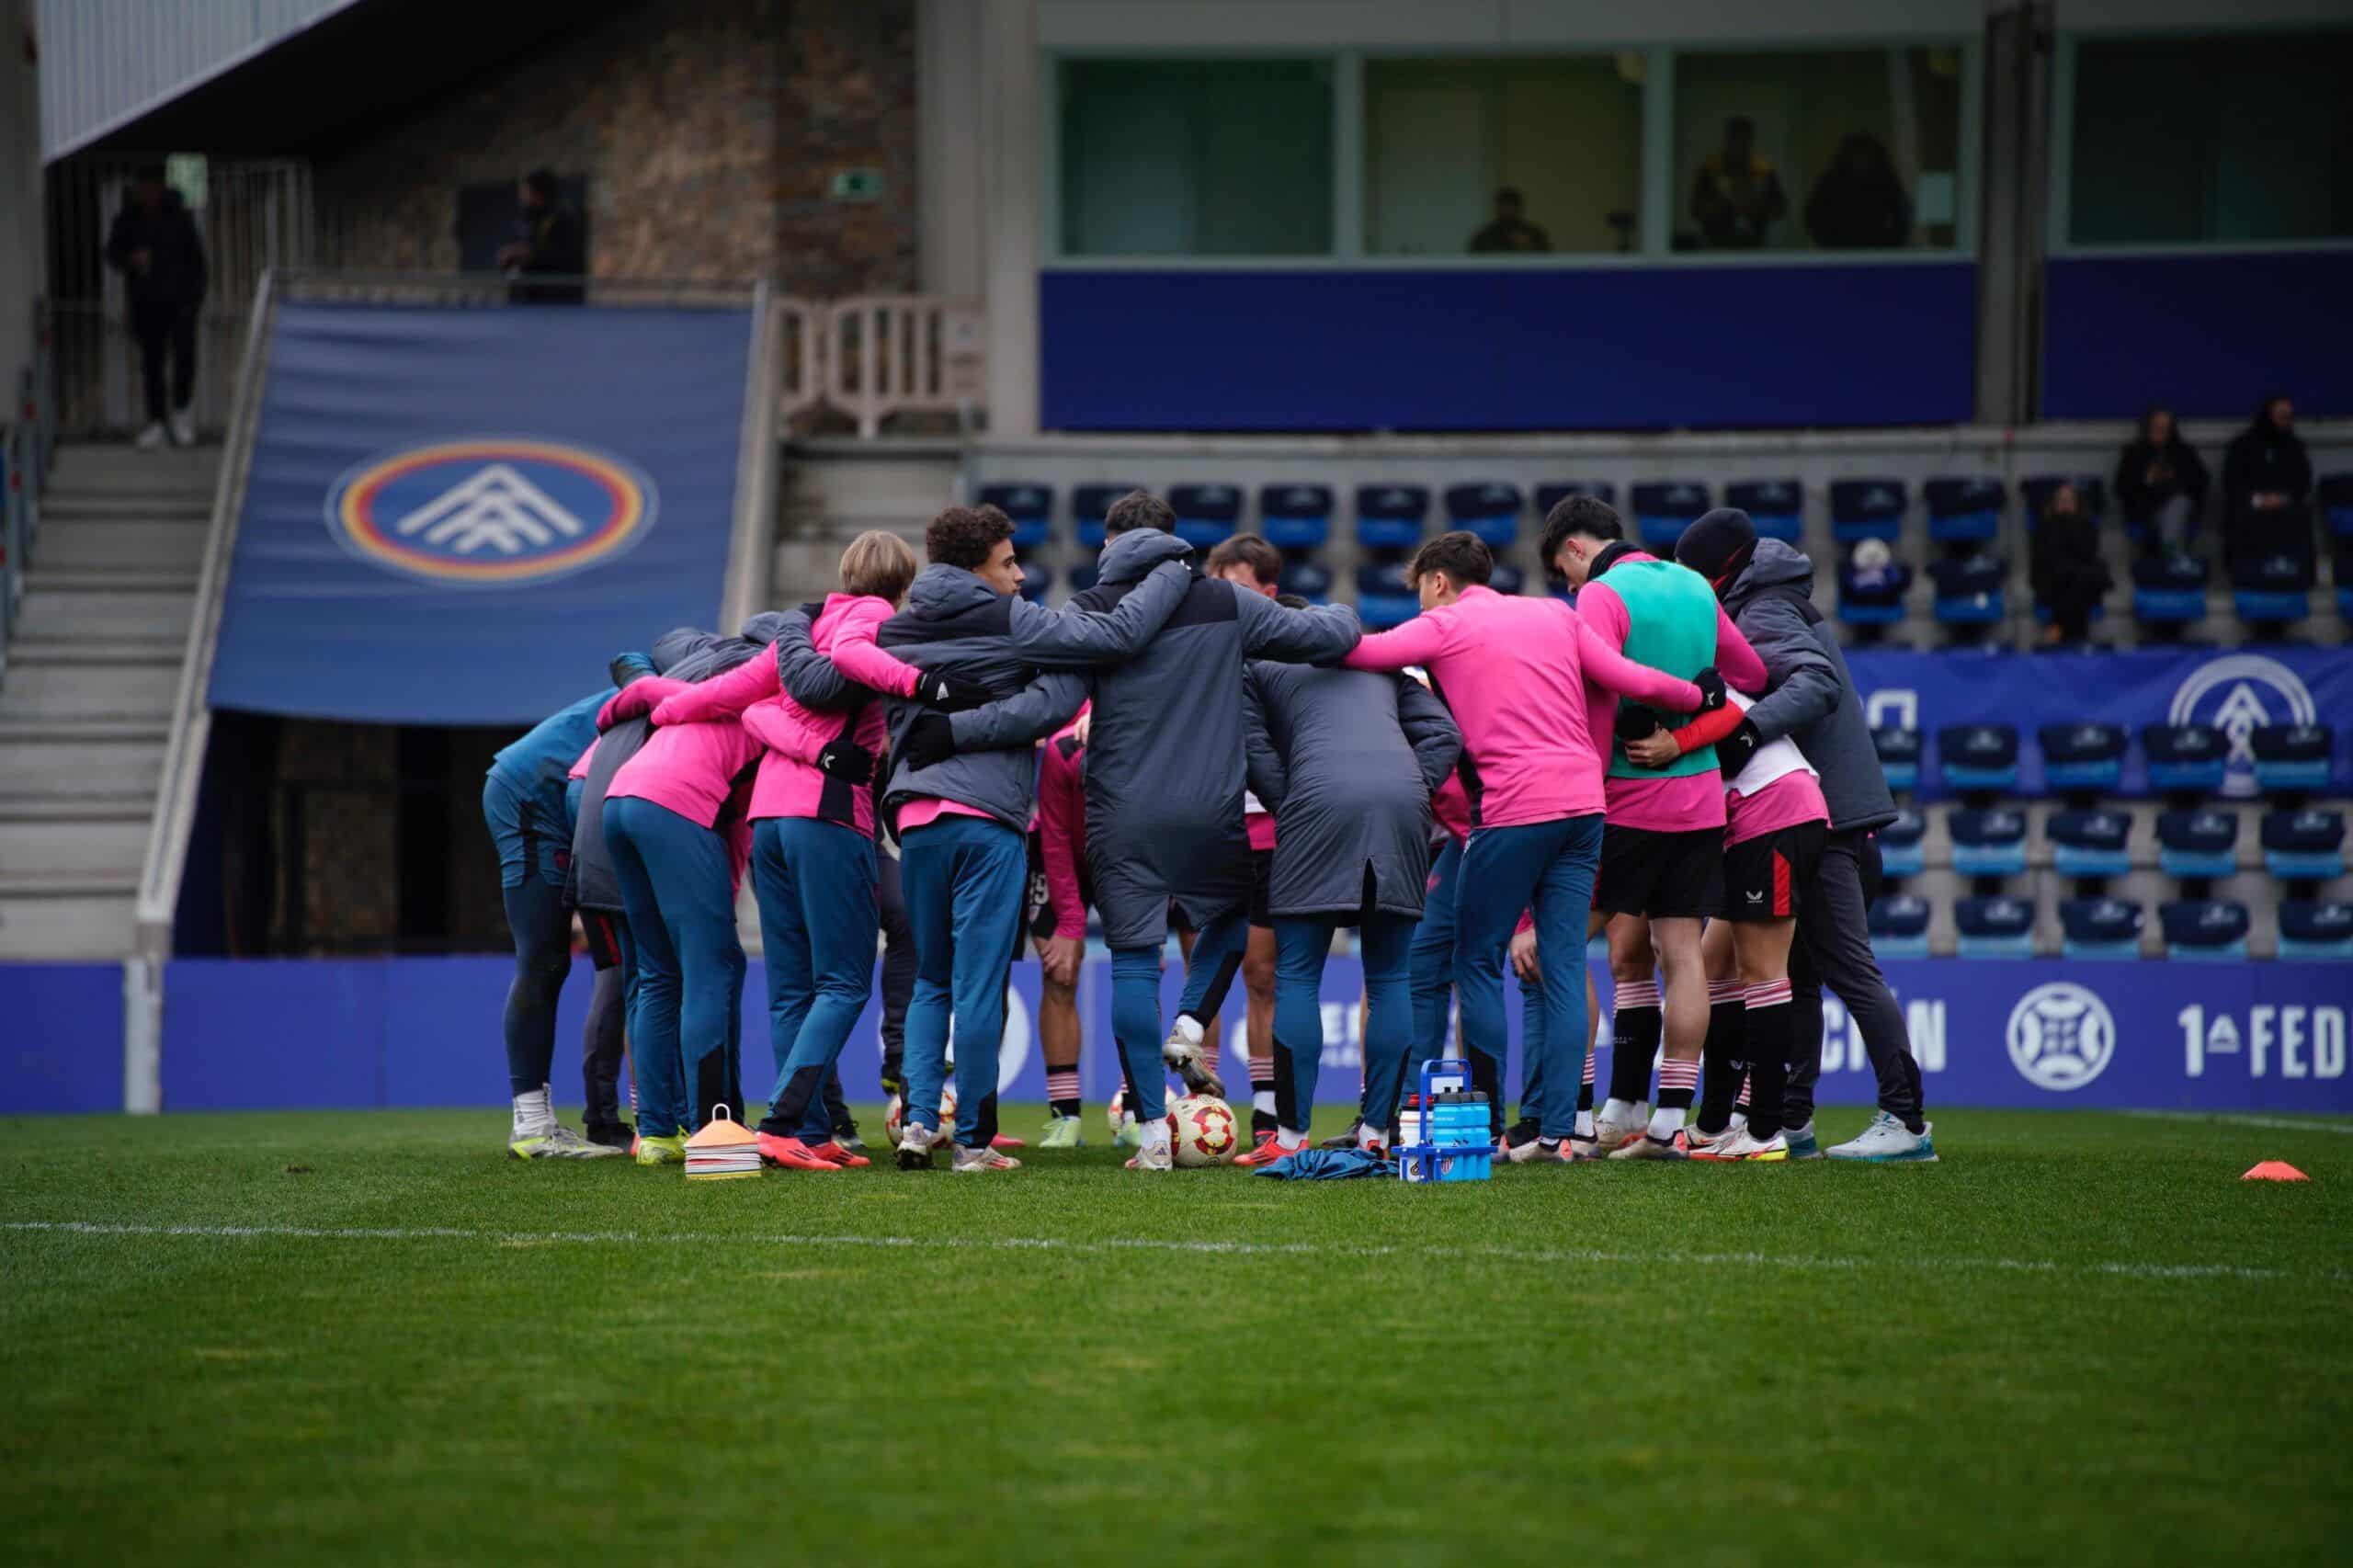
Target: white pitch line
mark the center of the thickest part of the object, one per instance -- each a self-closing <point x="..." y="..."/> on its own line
<point x="1146" y="1244"/>
<point x="2235" y="1119"/>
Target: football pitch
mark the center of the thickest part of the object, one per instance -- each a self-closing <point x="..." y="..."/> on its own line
<point x="331" y="1339"/>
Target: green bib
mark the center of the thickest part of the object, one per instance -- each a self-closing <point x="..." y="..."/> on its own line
<point x="1671" y="613"/>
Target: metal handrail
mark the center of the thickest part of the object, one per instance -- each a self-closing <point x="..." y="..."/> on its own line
<point x="751" y="547"/>
<point x="496" y="288"/>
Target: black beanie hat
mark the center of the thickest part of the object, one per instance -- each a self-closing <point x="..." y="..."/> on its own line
<point x="1718" y="543"/>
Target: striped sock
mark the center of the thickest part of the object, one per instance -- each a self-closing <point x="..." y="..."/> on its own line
<point x="1634" y="1044"/>
<point x="1676" y="1081"/>
<point x="1585" y="1098"/>
<point x="1770" y="1021"/>
<point x="1721" y="1055"/>
<point x="1062" y="1090"/>
<point x="1262" y="1093"/>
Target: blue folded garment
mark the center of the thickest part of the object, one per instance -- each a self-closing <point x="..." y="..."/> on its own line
<point x="1327" y="1165"/>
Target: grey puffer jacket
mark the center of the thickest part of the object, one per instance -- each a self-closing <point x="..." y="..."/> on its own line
<point x="1809" y="696"/>
<point x="1029" y="656"/>
<point x="1347" y="761"/>
<point x="1165" y="751"/>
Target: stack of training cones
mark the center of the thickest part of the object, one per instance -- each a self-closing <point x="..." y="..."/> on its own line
<point x="725" y="1150"/>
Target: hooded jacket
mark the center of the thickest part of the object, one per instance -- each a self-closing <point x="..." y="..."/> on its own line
<point x="2264" y="457"/>
<point x="1809" y="696"/>
<point x="1347" y="760"/>
<point x="175" y="273"/>
<point x="536" y="766"/>
<point x="2138" y="497"/>
<point x="1165" y="748"/>
<point x="1029" y="656"/>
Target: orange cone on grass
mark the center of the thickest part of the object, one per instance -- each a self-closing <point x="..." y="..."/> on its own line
<point x="2274" y="1170"/>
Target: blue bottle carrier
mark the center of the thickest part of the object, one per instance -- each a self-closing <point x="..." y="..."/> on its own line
<point x="1445" y="1135"/>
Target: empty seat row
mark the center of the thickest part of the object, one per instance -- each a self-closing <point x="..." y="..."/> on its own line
<point x="2299" y="845"/>
<point x="2182" y="759"/>
<point x="2194" y="929"/>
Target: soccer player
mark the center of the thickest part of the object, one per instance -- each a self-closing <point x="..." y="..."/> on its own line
<point x="605" y="1038"/>
<point x="1515" y="672"/>
<point x="1163" y="801"/>
<point x="1767" y="588"/>
<point x="1250" y="563"/>
<point x="1662" y="854"/>
<point x="1058" y="900"/>
<point x="961" y="788"/>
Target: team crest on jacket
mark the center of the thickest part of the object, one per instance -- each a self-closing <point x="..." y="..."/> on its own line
<point x="490" y="512"/>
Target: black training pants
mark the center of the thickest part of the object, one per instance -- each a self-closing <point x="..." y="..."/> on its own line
<point x="163" y="327"/>
<point x="1834" y="948"/>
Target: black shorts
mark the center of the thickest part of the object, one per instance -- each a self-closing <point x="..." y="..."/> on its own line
<point x="1262" y="883"/>
<point x="1764" y="877"/>
<point x="602" y="928"/>
<point x="1040" y="916"/>
<point x="1661" y="876"/>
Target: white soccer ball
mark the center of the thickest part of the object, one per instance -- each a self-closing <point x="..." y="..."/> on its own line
<point x="894" y="1117"/>
<point x="1201" y="1131"/>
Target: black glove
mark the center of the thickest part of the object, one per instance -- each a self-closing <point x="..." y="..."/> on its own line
<point x="1711" y="689"/>
<point x="1635" y="721"/>
<point x="931" y="739"/>
<point x="948" y="693"/>
<point x="1734" y="750"/>
<point x="847" y="761"/>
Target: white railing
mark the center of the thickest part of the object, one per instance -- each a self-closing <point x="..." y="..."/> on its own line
<point x="873" y="356"/>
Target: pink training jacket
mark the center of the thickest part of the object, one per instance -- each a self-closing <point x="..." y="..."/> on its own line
<point x="1452" y="807"/>
<point x="580" y="768"/>
<point x="690" y="769"/>
<point x="1513" y="671"/>
<point x="1062" y="825"/>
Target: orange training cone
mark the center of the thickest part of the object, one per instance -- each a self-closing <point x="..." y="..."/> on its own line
<point x="2274" y="1170"/>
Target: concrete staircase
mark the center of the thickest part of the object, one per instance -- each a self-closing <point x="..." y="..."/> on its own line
<point x="85" y="709"/>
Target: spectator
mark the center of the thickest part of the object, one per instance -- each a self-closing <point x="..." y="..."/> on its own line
<point x="1510" y="231"/>
<point x="2266" y="477"/>
<point x="2161" y="484"/>
<point x="1736" y="193"/>
<point x="2069" y="574"/>
<point x="1860" y="203"/>
<point x="155" y="246"/>
<point x="548" y="243"/>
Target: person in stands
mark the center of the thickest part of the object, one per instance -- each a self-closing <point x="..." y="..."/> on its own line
<point x="2161" y="484"/>
<point x="2070" y="578"/>
<point x="2267" y="479"/>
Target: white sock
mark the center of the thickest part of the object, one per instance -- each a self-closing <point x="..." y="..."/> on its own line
<point x="1585" y="1124"/>
<point x="532" y="1111"/>
<point x="1264" y="1101"/>
<point x="1288" y="1139"/>
<point x="1189" y="1028"/>
<point x="1666" y="1124"/>
<point x="1368" y="1137"/>
<point x="1155" y="1133"/>
<point x="1618" y="1110"/>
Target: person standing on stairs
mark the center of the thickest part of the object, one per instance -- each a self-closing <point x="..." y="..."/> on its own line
<point x="155" y="245"/>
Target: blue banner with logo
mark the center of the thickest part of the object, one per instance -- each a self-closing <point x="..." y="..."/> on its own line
<point x="2235" y="691"/>
<point x="457" y="516"/>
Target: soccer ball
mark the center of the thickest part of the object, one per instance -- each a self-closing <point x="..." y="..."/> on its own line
<point x="1116" y="1113"/>
<point x="1201" y="1131"/>
<point x="893" y="1116"/>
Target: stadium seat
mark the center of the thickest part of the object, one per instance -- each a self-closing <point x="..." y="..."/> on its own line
<point x="1899" y="926"/>
<point x="1776" y="505"/>
<point x="1491" y="511"/>
<point x="1553" y="491"/>
<point x="1899" y="843"/>
<point x="2169" y="590"/>
<point x="2034" y="492"/>
<point x="2291" y="759"/>
<point x="2316" y="929"/>
<point x="2090" y="844"/>
<point x="1035" y="581"/>
<point x="1663" y="510"/>
<point x="1873" y="597"/>
<point x="1087" y="504"/>
<point x="2082" y="756"/>
<point x="1390" y="516"/>
<point x="1082" y="577"/>
<point x="2304" y="845"/>
<point x="1031" y="508"/>
<point x="1205" y="514"/>
<point x="1507" y="578"/>
<point x="2336" y="504"/>
<point x="1996" y="928"/>
<point x="1295" y="517"/>
<point x="2274" y="591"/>
<point x="1963" y="511"/>
<point x="1899" y="757"/>
<point x="1867" y="508"/>
<point x="2100" y="928"/>
<point x="1383" y="597"/>
<point x="1979" y="756"/>
<point x="1969" y="591"/>
<point x="1989" y="842"/>
<point x="2207" y="929"/>
<point x="2200" y="844"/>
<point x="1310" y="580"/>
<point x="2185" y="759"/>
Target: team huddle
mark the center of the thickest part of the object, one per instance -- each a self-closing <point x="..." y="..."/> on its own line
<point x="1676" y="759"/>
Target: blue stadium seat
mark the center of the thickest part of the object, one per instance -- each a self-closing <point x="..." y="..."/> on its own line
<point x="2336" y="504"/>
<point x="1899" y="843"/>
<point x="1899" y="757"/>
<point x="1963" y="511"/>
<point x="1295" y="517"/>
<point x="1899" y="926"/>
<point x="1979" y="756"/>
<point x="2202" y="843"/>
<point x="2185" y="759"/>
<point x="2205" y="930"/>
<point x="2169" y="590"/>
<point x="1553" y="491"/>
<point x="1035" y="581"/>
<point x="1996" y="928"/>
<point x="1081" y="576"/>
<point x="1205" y="514"/>
<point x="1383" y="597"/>
<point x="2082" y="756"/>
<point x="1874" y="597"/>
<point x="2034" y="492"/>
<point x="1390" y="516"/>
<point x="1031" y="508"/>
<point x="2304" y="845"/>
<point x="1310" y="580"/>
<point x="1969" y="591"/>
<point x="1663" y="510"/>
<point x="1989" y="842"/>
<point x="1507" y="578"/>
<point x="2100" y="928"/>
<point x="2291" y="759"/>
<point x="1867" y="508"/>
<point x="2274" y="591"/>
<point x="2090" y="844"/>
<point x="1491" y="511"/>
<point x="1776" y="505"/>
<point x="2316" y="929"/>
<point x="1087" y="504"/>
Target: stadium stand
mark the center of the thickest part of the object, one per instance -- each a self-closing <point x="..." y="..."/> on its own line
<point x="1870" y="597"/>
<point x="1489" y="510"/>
<point x="1989" y="843"/>
<point x="1031" y="508"/>
<point x="2090" y="844"/>
<point x="2170" y="592"/>
<point x="1207" y="515"/>
<point x="2197" y="846"/>
<point x="1310" y="580"/>
<point x="1296" y="516"/>
<point x="2205" y="930"/>
<point x="1088" y="503"/>
<point x="1663" y="508"/>
<point x="1899" y="926"/>
<point x="1776" y="505"/>
<point x="1899" y="843"/>
<point x="2185" y="759"/>
<point x="1390" y="516"/>
<point x="2304" y="844"/>
<point x="1963" y="511"/>
<point x="2082" y="758"/>
<point x="1552" y="492"/>
<point x="1383" y="597"/>
<point x="2290" y="759"/>
<point x="2106" y="928"/>
<point x="1899" y="756"/>
<point x="1867" y="508"/>
<point x="2316" y="930"/>
<point x="1979" y="756"/>
<point x="1995" y="927"/>
<point x="2035" y="491"/>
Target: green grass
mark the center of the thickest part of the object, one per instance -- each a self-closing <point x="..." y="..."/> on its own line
<point x="2080" y="1338"/>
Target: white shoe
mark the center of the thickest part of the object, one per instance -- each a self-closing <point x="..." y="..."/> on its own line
<point x="554" y="1141"/>
<point x="1886" y="1142"/>
<point x="1609" y="1133"/>
<point x="1739" y="1145"/>
<point x="183" y="429"/>
<point x="1155" y="1154"/>
<point x="915" y="1147"/>
<point x="1803" y="1144"/>
<point x="150" y="438"/>
<point x="984" y="1159"/>
<point x="1183" y="1055"/>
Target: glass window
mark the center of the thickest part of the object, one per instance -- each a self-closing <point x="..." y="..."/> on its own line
<point x="1502" y="156"/>
<point x="1198" y="157"/>
<point x="2232" y="138"/>
<point x="1851" y="148"/>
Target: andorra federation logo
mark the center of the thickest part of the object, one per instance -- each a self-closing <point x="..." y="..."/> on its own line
<point x="490" y="512"/>
<point x="2237" y="694"/>
<point x="2061" y="1036"/>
